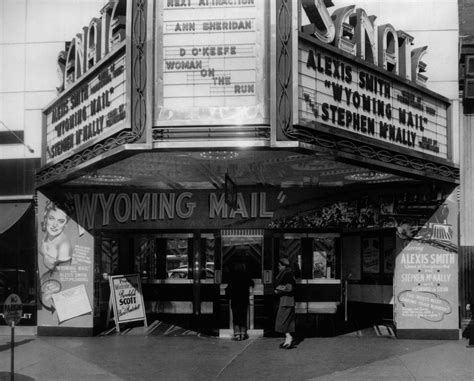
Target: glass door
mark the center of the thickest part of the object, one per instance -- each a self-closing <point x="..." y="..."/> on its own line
<point x="245" y="247"/>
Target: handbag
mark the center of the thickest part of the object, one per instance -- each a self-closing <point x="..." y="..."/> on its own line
<point x="284" y="288"/>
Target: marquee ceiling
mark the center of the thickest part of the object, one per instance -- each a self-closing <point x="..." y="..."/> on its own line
<point x="206" y="170"/>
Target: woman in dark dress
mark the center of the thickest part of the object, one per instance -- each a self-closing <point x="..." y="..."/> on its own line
<point x="238" y="292"/>
<point x="470" y="307"/>
<point x="284" y="287"/>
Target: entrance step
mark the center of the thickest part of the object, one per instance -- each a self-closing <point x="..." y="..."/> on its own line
<point x="160" y="328"/>
<point x="380" y="330"/>
<point x="157" y="328"/>
<point x="229" y="333"/>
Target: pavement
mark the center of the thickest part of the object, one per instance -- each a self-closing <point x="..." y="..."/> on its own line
<point x="189" y="356"/>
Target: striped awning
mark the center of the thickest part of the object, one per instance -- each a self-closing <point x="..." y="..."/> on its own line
<point x="242" y="232"/>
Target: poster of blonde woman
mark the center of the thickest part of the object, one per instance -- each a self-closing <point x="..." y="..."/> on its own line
<point x="65" y="258"/>
<point x="55" y="247"/>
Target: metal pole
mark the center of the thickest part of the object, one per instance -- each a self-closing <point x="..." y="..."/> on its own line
<point x="12" y="374"/>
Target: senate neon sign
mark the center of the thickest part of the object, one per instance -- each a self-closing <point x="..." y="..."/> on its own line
<point x="358" y="78"/>
<point x="102" y="36"/>
<point x="92" y="101"/>
<point x="354" y="32"/>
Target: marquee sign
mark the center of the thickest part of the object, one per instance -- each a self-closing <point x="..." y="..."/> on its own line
<point x="210" y="63"/>
<point x="92" y="111"/>
<point x="92" y="100"/>
<point x="357" y="77"/>
<point x="351" y="97"/>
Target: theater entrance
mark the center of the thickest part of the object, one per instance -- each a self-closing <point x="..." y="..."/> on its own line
<point x="243" y="247"/>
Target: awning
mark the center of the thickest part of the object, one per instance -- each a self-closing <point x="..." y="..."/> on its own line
<point x="10" y="213"/>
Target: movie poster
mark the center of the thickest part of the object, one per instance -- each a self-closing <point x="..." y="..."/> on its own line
<point x="426" y="274"/>
<point x="65" y="262"/>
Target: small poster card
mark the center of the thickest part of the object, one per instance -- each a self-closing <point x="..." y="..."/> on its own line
<point x="127" y="298"/>
<point x="71" y="303"/>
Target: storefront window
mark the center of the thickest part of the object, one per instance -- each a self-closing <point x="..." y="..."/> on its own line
<point x="177" y="263"/>
<point x="145" y="259"/>
<point x="106" y="264"/>
<point x="377" y="255"/>
<point x="324" y="258"/>
<point x="371" y="255"/>
<point x="291" y="248"/>
<point x="208" y="265"/>
<point x="388" y="257"/>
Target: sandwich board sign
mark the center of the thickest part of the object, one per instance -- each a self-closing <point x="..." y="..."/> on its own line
<point x="126" y="298"/>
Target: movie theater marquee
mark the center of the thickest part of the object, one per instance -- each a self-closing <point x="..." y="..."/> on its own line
<point x="210" y="62"/>
<point x="363" y="84"/>
<point x="92" y="96"/>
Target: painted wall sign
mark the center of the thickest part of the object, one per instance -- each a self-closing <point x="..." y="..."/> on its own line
<point x="350" y="97"/>
<point x="426" y="274"/>
<point x="91" y="112"/>
<point x="210" y="62"/>
<point x="65" y="261"/>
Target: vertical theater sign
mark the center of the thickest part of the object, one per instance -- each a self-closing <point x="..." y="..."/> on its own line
<point x="101" y="103"/>
<point x="101" y="86"/>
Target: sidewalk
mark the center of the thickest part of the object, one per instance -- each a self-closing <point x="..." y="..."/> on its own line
<point x="209" y="358"/>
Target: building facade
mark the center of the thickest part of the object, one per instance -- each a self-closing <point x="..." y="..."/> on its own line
<point x="187" y="136"/>
<point x="466" y="44"/>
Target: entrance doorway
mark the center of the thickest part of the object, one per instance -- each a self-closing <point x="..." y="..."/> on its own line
<point x="246" y="247"/>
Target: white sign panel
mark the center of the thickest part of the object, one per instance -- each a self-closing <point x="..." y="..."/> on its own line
<point x="127" y="298"/>
<point x="93" y="110"/>
<point x="210" y="63"/>
<point x="71" y="303"/>
<point x="349" y="96"/>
